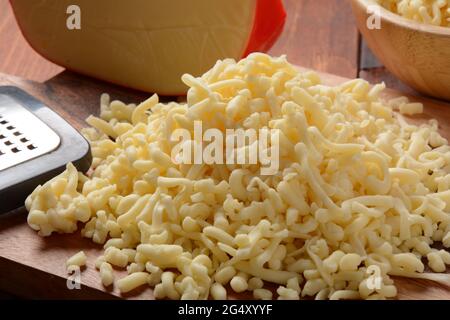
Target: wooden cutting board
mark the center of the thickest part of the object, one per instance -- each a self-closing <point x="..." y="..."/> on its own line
<point x="34" y="267"/>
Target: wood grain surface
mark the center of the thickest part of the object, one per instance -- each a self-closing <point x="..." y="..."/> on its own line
<point x="16" y="55"/>
<point x="321" y="35"/>
<point x="34" y="267"/>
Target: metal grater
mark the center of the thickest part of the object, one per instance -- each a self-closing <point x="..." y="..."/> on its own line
<point x="22" y="135"/>
<point x="35" y="145"/>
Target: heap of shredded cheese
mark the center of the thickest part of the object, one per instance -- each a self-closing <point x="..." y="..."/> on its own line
<point x="435" y="12"/>
<point x="360" y="194"/>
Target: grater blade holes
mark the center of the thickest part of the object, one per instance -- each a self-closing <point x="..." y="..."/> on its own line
<point x="23" y="136"/>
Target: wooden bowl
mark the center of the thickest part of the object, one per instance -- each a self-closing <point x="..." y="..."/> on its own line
<point x="418" y="54"/>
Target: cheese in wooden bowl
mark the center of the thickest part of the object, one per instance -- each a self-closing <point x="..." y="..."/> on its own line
<point x="411" y="38"/>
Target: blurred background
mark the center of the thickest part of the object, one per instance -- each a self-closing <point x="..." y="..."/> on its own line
<point x="319" y="34"/>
